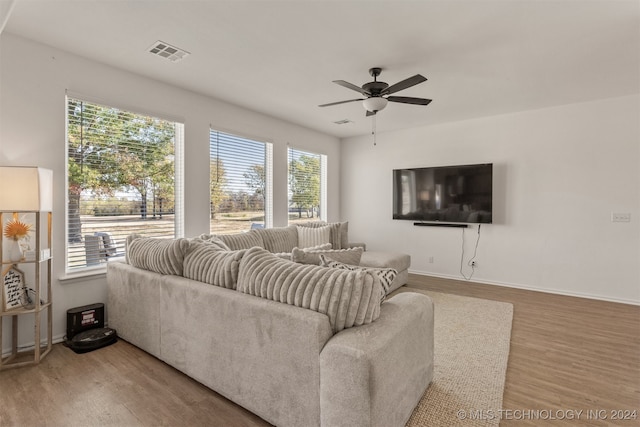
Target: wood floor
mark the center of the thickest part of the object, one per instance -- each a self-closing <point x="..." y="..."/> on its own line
<point x="567" y="355"/>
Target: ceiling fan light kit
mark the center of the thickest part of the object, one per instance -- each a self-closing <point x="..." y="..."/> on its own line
<point x="377" y="93"/>
<point x="374" y="104"/>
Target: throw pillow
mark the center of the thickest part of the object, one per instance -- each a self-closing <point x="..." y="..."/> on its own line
<point x="239" y="241"/>
<point x="344" y="234"/>
<point x="287" y="255"/>
<point x="279" y="239"/>
<point x="347" y="298"/>
<point x="312" y="256"/>
<point x="386" y="276"/>
<point x="214" y="240"/>
<point x="338" y="234"/>
<point x="164" y="256"/>
<point x="209" y="264"/>
<point x="284" y="255"/>
<point x="322" y="247"/>
<point x="308" y="237"/>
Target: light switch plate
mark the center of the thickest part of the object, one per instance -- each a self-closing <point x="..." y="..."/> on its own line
<point x="620" y="217"/>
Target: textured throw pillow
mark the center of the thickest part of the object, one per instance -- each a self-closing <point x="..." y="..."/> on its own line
<point x="348" y="298"/>
<point x="239" y="241"/>
<point x="308" y="237"/>
<point x="287" y="255"/>
<point x="279" y="239"/>
<point x="343" y="231"/>
<point x="284" y="255"/>
<point x="164" y="256"/>
<point x="209" y="264"/>
<point x="214" y="240"/>
<point x="312" y="256"/>
<point x="322" y="247"/>
<point x="384" y="275"/>
<point x="338" y="232"/>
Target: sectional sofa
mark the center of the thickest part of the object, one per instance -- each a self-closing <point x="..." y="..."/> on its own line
<point x="297" y="344"/>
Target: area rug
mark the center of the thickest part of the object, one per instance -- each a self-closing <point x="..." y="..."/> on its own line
<point x="471" y="349"/>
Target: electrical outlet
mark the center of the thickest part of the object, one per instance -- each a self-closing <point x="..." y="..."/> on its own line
<point x="620" y="217"/>
<point x="431" y="260"/>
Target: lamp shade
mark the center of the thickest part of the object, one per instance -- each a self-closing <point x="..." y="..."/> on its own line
<point x="375" y="103"/>
<point x="26" y="189"/>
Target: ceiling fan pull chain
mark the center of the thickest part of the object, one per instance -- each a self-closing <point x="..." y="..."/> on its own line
<point x="373" y="129"/>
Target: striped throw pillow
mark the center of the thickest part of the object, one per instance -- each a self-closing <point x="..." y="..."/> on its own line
<point x="209" y="264"/>
<point x="164" y="256"/>
<point x="308" y="236"/>
<point x="348" y="298"/>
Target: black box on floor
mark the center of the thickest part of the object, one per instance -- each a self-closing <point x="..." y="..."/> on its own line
<point x="84" y="318"/>
<point x="85" y="329"/>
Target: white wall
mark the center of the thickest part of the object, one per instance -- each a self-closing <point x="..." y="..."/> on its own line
<point x="559" y="173"/>
<point x="34" y="78"/>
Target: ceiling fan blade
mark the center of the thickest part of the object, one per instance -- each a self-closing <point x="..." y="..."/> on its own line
<point x="404" y="84"/>
<point x="340" y="102"/>
<point x="409" y="100"/>
<point x="352" y="87"/>
<point x="371" y="113"/>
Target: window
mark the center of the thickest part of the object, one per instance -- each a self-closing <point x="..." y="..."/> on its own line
<point x="307" y="186"/>
<point x="123" y="177"/>
<point x="240" y="172"/>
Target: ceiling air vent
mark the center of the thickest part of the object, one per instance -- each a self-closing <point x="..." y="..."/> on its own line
<point x="165" y="50"/>
<point x="343" y="122"/>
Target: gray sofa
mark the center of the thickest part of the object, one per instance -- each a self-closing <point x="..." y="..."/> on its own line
<point x="298" y="345"/>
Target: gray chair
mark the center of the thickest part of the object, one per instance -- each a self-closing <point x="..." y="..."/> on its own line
<point x="98" y="247"/>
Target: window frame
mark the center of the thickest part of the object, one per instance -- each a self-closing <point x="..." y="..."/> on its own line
<point x="322" y="170"/>
<point x="268" y="170"/>
<point x="178" y="176"/>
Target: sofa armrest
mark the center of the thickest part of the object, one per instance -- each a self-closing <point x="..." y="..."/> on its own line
<point x="356" y="245"/>
<point x="375" y="375"/>
<point x="133" y="305"/>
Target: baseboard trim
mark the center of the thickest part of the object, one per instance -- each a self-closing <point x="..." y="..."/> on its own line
<point x="529" y="288"/>
<point x="30" y="346"/>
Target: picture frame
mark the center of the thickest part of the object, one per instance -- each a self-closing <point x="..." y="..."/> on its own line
<point x="14" y="288"/>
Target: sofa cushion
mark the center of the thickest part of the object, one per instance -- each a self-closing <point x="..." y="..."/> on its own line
<point x="164" y="256"/>
<point x="308" y="236"/>
<point x="384" y="275"/>
<point x="312" y="256"/>
<point x="209" y="264"/>
<point x="378" y="259"/>
<point x="338" y="232"/>
<point x="279" y="239"/>
<point x="239" y="241"/>
<point x="348" y="298"/>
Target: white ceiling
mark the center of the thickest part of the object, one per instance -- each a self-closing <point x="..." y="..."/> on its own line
<point x="482" y="57"/>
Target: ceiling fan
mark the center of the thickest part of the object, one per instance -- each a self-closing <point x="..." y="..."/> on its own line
<point x="377" y="92"/>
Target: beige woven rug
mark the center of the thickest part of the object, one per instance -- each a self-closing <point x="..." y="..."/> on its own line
<point x="471" y="341"/>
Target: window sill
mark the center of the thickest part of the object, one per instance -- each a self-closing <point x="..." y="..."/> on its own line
<point x="86" y="273"/>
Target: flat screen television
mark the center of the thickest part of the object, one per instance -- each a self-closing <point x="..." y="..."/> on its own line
<point x="447" y="194"/>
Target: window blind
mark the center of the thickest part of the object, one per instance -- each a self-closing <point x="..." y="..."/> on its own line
<point x="240" y="183"/>
<point x="122" y="178"/>
<point x="307" y="186"/>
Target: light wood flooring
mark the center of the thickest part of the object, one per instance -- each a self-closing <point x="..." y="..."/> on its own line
<point x="567" y="354"/>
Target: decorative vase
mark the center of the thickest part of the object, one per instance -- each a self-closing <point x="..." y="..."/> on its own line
<point x="15" y="251"/>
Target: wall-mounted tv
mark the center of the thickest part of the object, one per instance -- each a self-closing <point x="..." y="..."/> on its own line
<point x="448" y="194"/>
